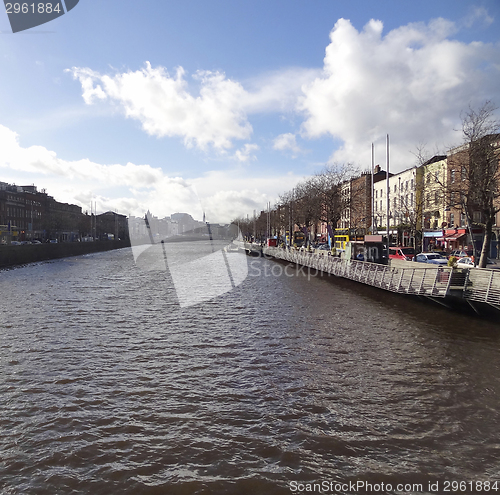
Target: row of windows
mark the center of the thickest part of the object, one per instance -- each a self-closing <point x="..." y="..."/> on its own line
<point x="431" y="176"/>
<point x="404" y="186"/>
<point x="13" y="212"/>
<point x="21" y="224"/>
<point x="402" y="203"/>
<point x="454" y="175"/>
<point x="436" y="176"/>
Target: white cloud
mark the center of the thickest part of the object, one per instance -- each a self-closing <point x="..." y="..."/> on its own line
<point x="41" y="161"/>
<point x="235" y="193"/>
<point x="477" y="15"/>
<point x="165" y="107"/>
<point x="245" y="154"/>
<point x="285" y="142"/>
<point x="411" y="83"/>
<point x="277" y="91"/>
<point x="134" y="189"/>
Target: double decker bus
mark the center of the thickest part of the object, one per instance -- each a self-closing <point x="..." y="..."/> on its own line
<point x="299" y="238"/>
<point x="340" y="240"/>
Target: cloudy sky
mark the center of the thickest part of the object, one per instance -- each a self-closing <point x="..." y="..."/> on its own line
<point x="220" y="106"/>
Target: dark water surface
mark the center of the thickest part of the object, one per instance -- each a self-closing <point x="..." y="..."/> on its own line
<point x="109" y="387"/>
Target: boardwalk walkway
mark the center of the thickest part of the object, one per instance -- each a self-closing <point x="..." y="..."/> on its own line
<point x="472" y="285"/>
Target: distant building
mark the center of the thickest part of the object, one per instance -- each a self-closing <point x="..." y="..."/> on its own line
<point x="186" y="223"/>
<point x="111" y="226"/>
<point x="27" y="214"/>
<point x="401" y="195"/>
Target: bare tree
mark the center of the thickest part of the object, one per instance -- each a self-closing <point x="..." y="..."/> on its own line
<point x="474" y="182"/>
<point x="313" y="200"/>
<point x="329" y="184"/>
<point x="301" y="206"/>
<point x="307" y="204"/>
<point x="474" y="173"/>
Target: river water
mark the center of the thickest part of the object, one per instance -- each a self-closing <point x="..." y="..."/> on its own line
<point x="287" y="383"/>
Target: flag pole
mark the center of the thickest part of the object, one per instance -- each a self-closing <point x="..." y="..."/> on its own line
<point x="373" y="199"/>
<point x="388" y="199"/>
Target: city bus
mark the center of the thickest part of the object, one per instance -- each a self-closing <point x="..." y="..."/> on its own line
<point x="299" y="238"/>
<point x="340" y="242"/>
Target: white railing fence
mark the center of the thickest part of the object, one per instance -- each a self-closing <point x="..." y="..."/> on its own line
<point x="477" y="285"/>
<point x="433" y="282"/>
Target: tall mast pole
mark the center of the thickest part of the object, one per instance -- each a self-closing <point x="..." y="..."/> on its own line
<point x="388" y="199"/>
<point x="372" y="198"/>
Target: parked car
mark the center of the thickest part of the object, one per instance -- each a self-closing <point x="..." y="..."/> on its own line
<point x="432" y="258"/>
<point x="324" y="247"/>
<point x="438" y="251"/>
<point x="15" y="243"/>
<point x="460" y="253"/>
<point x="468" y="262"/>
<point x="401" y="253"/>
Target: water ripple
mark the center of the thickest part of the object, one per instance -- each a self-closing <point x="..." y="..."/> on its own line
<point x="108" y="386"/>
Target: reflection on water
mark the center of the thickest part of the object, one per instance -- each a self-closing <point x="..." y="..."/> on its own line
<point x="109" y="386"/>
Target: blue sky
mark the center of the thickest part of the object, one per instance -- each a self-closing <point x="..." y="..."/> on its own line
<point x="223" y="105"/>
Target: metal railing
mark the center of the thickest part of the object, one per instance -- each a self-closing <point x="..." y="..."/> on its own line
<point x="475" y="285"/>
<point x="483" y="285"/>
<point x="432" y="282"/>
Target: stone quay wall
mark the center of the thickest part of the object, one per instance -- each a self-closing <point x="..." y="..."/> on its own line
<point x="31" y="253"/>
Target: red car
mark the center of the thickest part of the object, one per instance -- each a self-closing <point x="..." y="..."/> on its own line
<point x="401" y="253"/>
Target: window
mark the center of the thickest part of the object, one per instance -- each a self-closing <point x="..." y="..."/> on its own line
<point x="452" y="176"/>
<point x="452" y="219"/>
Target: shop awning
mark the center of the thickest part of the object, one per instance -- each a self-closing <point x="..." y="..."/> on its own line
<point x="451" y="237"/>
<point x="454" y="237"/>
<point x="434" y="233"/>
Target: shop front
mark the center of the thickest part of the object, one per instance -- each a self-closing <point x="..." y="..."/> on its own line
<point x="453" y="239"/>
<point x="432" y="240"/>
